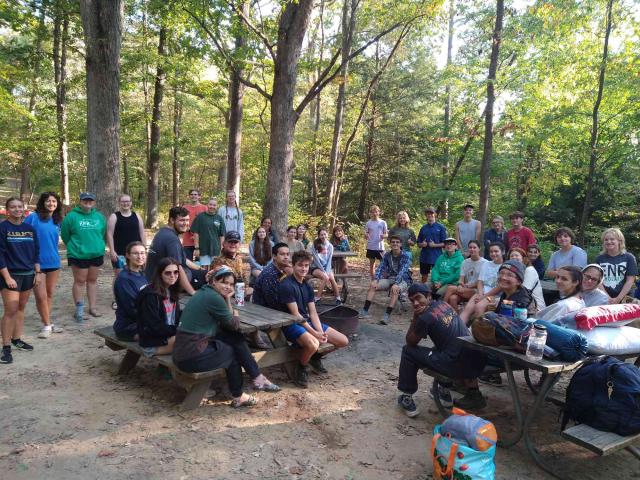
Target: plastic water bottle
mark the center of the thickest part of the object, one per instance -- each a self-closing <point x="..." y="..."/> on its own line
<point x="537" y="341"/>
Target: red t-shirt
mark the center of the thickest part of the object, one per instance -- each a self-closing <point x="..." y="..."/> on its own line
<point x="194" y="210"/>
<point x="522" y="238"/>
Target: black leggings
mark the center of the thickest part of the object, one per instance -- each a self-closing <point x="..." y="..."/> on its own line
<point x="241" y="350"/>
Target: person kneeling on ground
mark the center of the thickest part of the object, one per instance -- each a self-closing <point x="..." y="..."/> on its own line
<point x="392" y="275"/>
<point x="446" y="271"/>
<point x="437" y="320"/>
<point x="297" y="295"/>
<point x="158" y="310"/>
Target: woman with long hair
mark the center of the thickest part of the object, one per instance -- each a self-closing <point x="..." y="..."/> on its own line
<point x="569" y="283"/>
<point x="266" y="224"/>
<point x="340" y="243"/>
<point x="620" y="267"/>
<point x="295" y="245"/>
<point x="19" y="272"/>
<point x="126" y="288"/>
<point x="404" y="231"/>
<point x="46" y="220"/>
<point x="233" y="216"/>
<point x="301" y="234"/>
<point x="259" y="251"/>
<point x="158" y="309"/>
<point x="531" y="278"/>
<point x="322" y="252"/>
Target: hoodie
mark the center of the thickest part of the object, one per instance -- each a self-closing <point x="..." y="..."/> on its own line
<point x="447" y="268"/>
<point x="153" y="327"/>
<point x="83" y="233"/>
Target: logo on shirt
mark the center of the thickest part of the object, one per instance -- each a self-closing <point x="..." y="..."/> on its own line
<point x="614" y="274"/>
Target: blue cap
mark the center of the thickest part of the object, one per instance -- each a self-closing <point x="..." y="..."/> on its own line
<point x="419" y="288"/>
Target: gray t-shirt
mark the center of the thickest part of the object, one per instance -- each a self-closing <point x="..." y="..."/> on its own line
<point x="575" y="256"/>
<point x="471" y="269"/>
<point x="166" y="243"/>
<point x="595" y="297"/>
<point x="489" y="275"/>
<point x="467" y="232"/>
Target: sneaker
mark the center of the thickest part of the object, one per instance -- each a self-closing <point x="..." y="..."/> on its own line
<point x="56" y="328"/>
<point x="443" y="394"/>
<point x="386" y="318"/>
<point x="405" y="401"/>
<point x="473" y="400"/>
<point x="491" y="379"/>
<point x="315" y="362"/>
<point x="45" y="332"/>
<point x="301" y="377"/>
<point x="22" y="345"/>
<point x="338" y="301"/>
<point x="364" y="314"/>
<point x="6" y="355"/>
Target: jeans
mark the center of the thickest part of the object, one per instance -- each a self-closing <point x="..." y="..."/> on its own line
<point x="241" y="351"/>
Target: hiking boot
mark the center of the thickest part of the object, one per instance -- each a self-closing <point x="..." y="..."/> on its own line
<point x="473" y="400"/>
<point x="406" y="403"/>
<point x="443" y="394"/>
<point x="315" y="362"/>
<point x="491" y="379"/>
<point x="301" y="376"/>
<point x="22" y="345"/>
<point x="6" y="355"/>
<point x="386" y="318"/>
<point x="364" y="314"/>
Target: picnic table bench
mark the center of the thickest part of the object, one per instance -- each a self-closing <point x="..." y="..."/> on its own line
<point x="344" y="276"/>
<point x="252" y="318"/>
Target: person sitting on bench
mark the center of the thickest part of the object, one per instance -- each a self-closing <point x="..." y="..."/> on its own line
<point x="437" y="320"/>
<point x="297" y="296"/>
<point x="393" y="275"/>
<point x="158" y="310"/>
<point x="446" y="271"/>
<point x="126" y="289"/>
<point x="469" y="273"/>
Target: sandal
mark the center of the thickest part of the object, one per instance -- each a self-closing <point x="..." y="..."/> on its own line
<point x="95" y="313"/>
<point x="266" y="386"/>
<point x="249" y="402"/>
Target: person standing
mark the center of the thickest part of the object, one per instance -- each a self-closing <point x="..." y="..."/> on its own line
<point x="194" y="208"/>
<point x="404" y="231"/>
<point x="123" y="227"/>
<point x="431" y="240"/>
<point x="620" y="267"/>
<point x="375" y="231"/>
<point x="208" y="231"/>
<point x="232" y="215"/>
<point x="467" y="229"/>
<point x="519" y="235"/>
<point x="46" y="222"/>
<point x="83" y="231"/>
<point x="496" y="233"/>
<point x="19" y="272"/>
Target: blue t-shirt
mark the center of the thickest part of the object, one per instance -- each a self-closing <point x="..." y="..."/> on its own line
<point x="436" y="233"/>
<point x="291" y="291"/>
<point x="19" y="249"/>
<point x="48" y="236"/>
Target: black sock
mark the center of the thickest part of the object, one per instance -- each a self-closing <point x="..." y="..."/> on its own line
<point x="367" y="304"/>
<point x="389" y="310"/>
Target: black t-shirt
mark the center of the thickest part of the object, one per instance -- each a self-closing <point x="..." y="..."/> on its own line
<point x="521" y="298"/>
<point x="440" y="322"/>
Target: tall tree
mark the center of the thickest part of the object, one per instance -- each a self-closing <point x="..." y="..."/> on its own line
<point x="487" y="152"/>
<point x="593" y="141"/>
<point x="102" y="24"/>
<point x="175" y="164"/>
<point x="446" y="128"/>
<point x="60" y="39"/>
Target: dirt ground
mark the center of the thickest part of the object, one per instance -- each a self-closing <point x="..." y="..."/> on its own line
<point x="66" y="415"/>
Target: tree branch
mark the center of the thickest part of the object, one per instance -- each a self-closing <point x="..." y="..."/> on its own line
<point x="253" y="28"/>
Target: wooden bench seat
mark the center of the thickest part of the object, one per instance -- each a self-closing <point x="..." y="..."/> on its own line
<point x="602" y="443"/>
<point x="196" y="384"/>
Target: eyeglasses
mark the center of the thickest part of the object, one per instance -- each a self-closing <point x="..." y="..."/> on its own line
<point x="138" y="254"/>
<point x="590" y="278"/>
<point x="171" y="272"/>
<point x="395" y="242"/>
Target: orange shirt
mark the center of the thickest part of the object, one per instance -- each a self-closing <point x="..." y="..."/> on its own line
<point x="194" y="210"/>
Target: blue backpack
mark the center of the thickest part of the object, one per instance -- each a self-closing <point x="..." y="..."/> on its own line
<point x="604" y="393"/>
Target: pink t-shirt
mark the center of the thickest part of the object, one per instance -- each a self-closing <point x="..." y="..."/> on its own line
<point x="521" y="239"/>
<point x="194" y="211"/>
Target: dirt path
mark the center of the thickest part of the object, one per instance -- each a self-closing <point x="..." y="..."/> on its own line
<point x="65" y="415"/>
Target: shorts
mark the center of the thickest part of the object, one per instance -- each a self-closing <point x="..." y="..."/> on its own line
<point x="425" y="268"/>
<point x="374" y="254"/>
<point x="49" y="270"/>
<point x="293" y="332"/>
<point x="85" y="263"/>
<point x="387" y="283"/>
<point x="25" y="282"/>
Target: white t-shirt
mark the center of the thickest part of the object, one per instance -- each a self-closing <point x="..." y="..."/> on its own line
<point x="489" y="275"/>
<point x="471" y="269"/>
<point x="375" y="229"/>
<point x="532" y="282"/>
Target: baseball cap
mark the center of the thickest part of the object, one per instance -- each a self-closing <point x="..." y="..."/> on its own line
<point x="232" y="236"/>
<point x="450" y="240"/>
<point x="416" y="288"/>
<point x="514" y="266"/>
<point x="87" y="196"/>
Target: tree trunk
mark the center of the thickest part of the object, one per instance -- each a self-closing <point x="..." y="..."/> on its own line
<point x="368" y="160"/>
<point x="446" y="130"/>
<point x="291" y="31"/>
<point x="153" y="169"/>
<point x="314" y="116"/>
<point x="348" y="27"/>
<point x="175" y="164"/>
<point x="60" y="39"/>
<point x="593" y="142"/>
<point x="531" y="160"/>
<point x="145" y="91"/>
<point x="236" y="105"/>
<point x="487" y="153"/>
<point x="102" y="23"/>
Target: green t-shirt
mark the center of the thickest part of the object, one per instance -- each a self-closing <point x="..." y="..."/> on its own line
<point x="205" y="312"/>
<point x="210" y="228"/>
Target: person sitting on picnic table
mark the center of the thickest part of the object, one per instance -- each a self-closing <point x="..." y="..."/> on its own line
<point x="467" y="285"/>
<point x="265" y="289"/>
<point x="158" y="310"/>
<point x="259" y="252"/>
<point x="229" y="257"/>
<point x="535" y="259"/>
<point x="620" y="267"/>
<point x="592" y="294"/>
<point x="126" y="289"/>
<point x="402" y="230"/>
<point x="266" y="223"/>
<point x="531" y="279"/>
<point x="446" y="271"/>
<point x="295" y="245"/>
<point x="496" y="233"/>
<point x="437" y="320"/>
<point x="201" y="345"/>
<point x="322" y="253"/>
<point x="296" y="295"/>
<point x="467" y="229"/>
<point x="488" y="279"/>
<point x="340" y="243"/>
<point x="393" y="275"/>
<point x="569" y="254"/>
<point x="519" y="235"/>
<point x="301" y="234"/>
<point x="569" y="283"/>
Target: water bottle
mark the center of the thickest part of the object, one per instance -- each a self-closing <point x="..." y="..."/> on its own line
<point x="537" y="341"/>
<point x="506" y="308"/>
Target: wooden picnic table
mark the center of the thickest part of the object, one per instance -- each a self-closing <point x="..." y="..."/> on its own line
<point x="343" y="276"/>
<point x="341" y="254"/>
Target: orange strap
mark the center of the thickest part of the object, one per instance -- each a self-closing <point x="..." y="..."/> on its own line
<point x="438" y="472"/>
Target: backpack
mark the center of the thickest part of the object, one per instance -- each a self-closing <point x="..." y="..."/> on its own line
<point x="604" y="393"/>
<point x="499" y="330"/>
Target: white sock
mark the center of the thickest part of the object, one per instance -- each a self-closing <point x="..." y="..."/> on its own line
<point x="48" y="327"/>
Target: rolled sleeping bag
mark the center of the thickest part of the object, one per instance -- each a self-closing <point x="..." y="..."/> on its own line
<point x="571" y="344"/>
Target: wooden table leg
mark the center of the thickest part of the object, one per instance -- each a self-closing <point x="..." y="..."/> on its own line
<point x="279" y="340"/>
<point x="195" y="395"/>
<point x="128" y="362"/>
